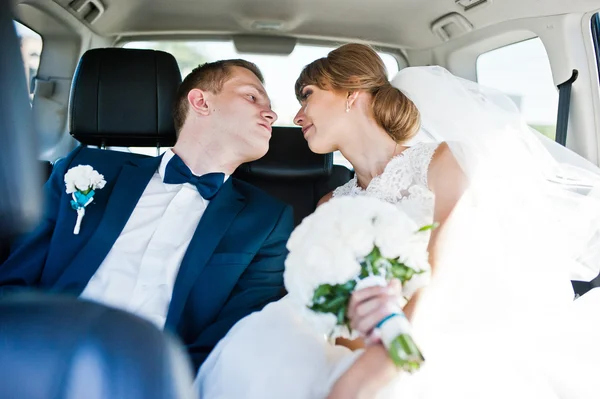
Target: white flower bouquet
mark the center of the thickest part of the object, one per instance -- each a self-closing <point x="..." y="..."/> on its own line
<point x="81" y="182"/>
<point x="350" y="243"/>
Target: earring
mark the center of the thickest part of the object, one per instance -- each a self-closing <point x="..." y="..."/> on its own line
<point x="347" y="106"/>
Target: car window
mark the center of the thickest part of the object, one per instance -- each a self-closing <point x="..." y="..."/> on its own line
<point x="31" y="50"/>
<point x="522" y="71"/>
<point x="595" y="25"/>
<point x="280" y="72"/>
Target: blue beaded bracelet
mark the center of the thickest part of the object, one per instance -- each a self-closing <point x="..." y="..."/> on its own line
<point x="386" y="318"/>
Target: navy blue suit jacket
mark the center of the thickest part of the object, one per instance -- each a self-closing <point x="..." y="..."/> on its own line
<point x="232" y="267"/>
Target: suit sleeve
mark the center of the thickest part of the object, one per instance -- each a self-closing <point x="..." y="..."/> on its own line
<point x="23" y="268"/>
<point x="261" y="283"/>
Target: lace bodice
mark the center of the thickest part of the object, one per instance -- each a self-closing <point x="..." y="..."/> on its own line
<point x="403" y="181"/>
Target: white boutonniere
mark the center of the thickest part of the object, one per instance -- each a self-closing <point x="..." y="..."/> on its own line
<point x="81" y="181"/>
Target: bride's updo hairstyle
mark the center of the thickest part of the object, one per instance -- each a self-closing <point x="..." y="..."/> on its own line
<point x="355" y="67"/>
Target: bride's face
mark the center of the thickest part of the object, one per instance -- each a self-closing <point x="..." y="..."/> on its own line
<point x="322" y="117"/>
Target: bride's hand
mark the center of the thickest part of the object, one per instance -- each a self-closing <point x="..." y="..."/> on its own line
<point x="370" y="305"/>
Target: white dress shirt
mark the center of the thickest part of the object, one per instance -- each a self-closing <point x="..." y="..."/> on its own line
<point x="139" y="272"/>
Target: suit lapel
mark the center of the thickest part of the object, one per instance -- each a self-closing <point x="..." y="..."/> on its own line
<point x="217" y="218"/>
<point x="128" y="188"/>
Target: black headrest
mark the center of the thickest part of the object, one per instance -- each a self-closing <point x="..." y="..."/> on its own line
<point x="54" y="347"/>
<point x="124" y="97"/>
<point x="288" y="157"/>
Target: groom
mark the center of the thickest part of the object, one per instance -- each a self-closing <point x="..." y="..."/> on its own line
<point x="174" y="239"/>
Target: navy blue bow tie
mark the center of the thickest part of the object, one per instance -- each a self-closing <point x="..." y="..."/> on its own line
<point x="208" y="185"/>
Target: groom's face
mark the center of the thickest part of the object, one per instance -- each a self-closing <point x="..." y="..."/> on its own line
<point x="242" y="114"/>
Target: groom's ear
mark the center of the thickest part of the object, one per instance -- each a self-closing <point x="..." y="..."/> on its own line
<point x="198" y="102"/>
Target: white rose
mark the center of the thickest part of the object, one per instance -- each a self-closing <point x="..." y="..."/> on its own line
<point x="83" y="177"/>
<point x="73" y="176"/>
<point x="360" y="240"/>
<point x="298" y="235"/>
<point x="393" y="231"/>
<point x="319" y="255"/>
<point x="323" y="323"/>
<point x="296" y="282"/>
<point x="345" y="269"/>
<point x="98" y="181"/>
<point x="414" y="254"/>
<point x="416" y="282"/>
<point x="343" y="332"/>
<point x="70" y="187"/>
<point x="331" y="262"/>
<point x="391" y="240"/>
<point x="82" y="183"/>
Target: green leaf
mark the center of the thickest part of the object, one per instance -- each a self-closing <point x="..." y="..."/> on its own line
<point x="322" y="290"/>
<point x="432" y="226"/>
<point x="400" y="272"/>
<point x="363" y="271"/>
<point x="341" y="315"/>
<point x="337" y="302"/>
<point x="349" y="286"/>
<point x="373" y="255"/>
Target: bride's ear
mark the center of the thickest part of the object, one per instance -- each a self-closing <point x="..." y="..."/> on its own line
<point x="351" y="98"/>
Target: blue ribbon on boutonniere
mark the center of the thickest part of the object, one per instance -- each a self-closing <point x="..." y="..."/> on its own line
<point x="80" y="182"/>
<point x="81" y="200"/>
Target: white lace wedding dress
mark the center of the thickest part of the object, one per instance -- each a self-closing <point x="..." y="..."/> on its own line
<point x="403" y="181"/>
<point x="483" y="336"/>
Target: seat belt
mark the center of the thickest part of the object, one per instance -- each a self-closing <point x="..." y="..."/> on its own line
<point x="564" y="103"/>
<point x="562" y="123"/>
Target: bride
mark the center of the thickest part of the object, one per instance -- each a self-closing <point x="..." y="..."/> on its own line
<point x="519" y="217"/>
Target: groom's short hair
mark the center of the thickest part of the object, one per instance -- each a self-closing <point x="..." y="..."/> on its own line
<point x="210" y="76"/>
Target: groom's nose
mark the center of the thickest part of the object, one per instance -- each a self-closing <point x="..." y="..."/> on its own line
<point x="269" y="115"/>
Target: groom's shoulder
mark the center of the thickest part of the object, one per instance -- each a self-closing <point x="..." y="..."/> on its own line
<point x="96" y="158"/>
<point x="106" y="156"/>
<point x="257" y="197"/>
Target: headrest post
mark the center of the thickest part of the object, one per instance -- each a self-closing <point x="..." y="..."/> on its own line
<point x="103" y="145"/>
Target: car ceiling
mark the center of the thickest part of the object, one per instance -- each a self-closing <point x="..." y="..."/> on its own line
<point x="394" y="23"/>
